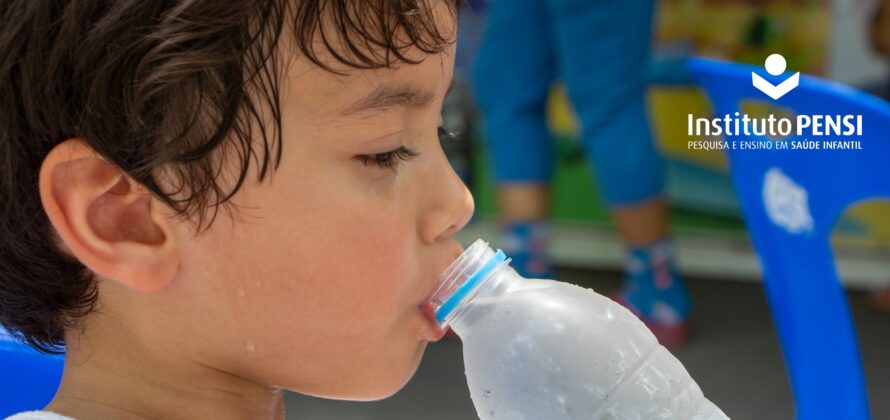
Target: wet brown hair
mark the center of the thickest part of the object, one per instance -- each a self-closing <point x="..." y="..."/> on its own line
<point x="178" y="85"/>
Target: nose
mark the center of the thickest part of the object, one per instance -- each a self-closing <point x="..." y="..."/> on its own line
<point x="449" y="203"/>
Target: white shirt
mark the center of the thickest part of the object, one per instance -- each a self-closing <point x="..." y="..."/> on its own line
<point x="38" y="415"/>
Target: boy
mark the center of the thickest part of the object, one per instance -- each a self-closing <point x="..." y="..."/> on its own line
<point x="128" y="124"/>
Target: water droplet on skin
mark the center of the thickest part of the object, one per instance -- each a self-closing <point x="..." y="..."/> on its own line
<point x="250" y="346"/>
<point x="258" y="284"/>
<point x="241" y="292"/>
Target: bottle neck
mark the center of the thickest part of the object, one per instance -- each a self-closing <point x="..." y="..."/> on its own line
<point x="469" y="310"/>
<point x="478" y="273"/>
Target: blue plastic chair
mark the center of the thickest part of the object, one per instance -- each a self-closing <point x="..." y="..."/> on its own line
<point x="28" y="379"/>
<point x="791" y="199"/>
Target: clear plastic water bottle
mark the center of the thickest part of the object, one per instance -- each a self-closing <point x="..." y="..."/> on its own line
<point x="546" y="350"/>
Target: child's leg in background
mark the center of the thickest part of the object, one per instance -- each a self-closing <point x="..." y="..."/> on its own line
<point x="512" y="78"/>
<point x="603" y="50"/>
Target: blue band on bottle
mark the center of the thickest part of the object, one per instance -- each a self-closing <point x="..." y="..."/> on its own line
<point x="468" y="285"/>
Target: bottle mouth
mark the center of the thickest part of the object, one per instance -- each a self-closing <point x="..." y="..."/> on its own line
<point x="466" y="272"/>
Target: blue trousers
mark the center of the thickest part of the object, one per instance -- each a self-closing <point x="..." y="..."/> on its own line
<point x="600" y="50"/>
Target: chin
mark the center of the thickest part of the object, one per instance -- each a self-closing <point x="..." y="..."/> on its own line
<point x="386" y="382"/>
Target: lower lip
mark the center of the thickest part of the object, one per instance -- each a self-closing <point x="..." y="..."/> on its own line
<point x="433" y="332"/>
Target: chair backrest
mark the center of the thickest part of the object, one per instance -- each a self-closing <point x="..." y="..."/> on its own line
<point x="791" y="200"/>
<point x="28" y="379"/>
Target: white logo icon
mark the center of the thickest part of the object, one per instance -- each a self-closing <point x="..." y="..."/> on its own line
<point x="775" y="65"/>
<point x="786" y="202"/>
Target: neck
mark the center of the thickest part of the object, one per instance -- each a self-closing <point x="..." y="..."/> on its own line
<point x="110" y="374"/>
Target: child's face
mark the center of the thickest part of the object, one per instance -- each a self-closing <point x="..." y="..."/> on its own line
<point x="317" y="289"/>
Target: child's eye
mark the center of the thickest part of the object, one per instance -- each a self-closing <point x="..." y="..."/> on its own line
<point x="447" y="135"/>
<point x="390" y="159"/>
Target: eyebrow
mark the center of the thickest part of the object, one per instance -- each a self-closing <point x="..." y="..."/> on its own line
<point x="392" y="96"/>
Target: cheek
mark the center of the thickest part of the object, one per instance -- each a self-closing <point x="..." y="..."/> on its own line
<point x="343" y="263"/>
<point x="322" y="279"/>
<point x="372" y="265"/>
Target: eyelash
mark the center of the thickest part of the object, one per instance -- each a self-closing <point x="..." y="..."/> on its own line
<point x="392" y="158"/>
<point x="448" y="135"/>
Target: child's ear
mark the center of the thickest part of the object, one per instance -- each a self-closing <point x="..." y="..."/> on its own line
<point x="109" y="222"/>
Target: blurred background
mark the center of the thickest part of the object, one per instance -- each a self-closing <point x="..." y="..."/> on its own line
<point x="684" y="260"/>
<point x="734" y="351"/>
